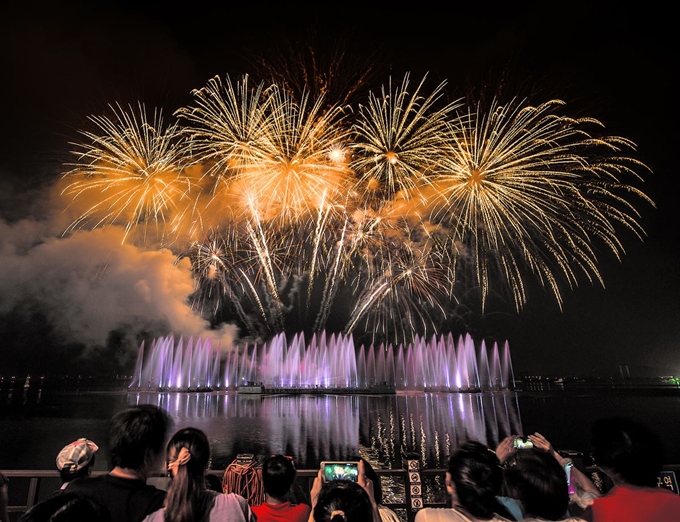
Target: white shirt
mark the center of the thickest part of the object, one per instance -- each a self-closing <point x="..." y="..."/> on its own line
<point x="228" y="507"/>
<point x="449" y="515"/>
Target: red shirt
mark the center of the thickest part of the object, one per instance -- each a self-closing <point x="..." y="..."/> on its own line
<point x="637" y="504"/>
<point x="285" y="512"/>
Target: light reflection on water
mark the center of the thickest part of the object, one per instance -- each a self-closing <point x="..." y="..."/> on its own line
<point x="321" y="427"/>
<point x="36" y="423"/>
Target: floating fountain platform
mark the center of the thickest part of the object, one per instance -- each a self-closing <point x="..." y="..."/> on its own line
<point x="260" y="389"/>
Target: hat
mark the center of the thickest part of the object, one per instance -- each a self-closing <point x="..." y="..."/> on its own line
<point x="76" y="455"/>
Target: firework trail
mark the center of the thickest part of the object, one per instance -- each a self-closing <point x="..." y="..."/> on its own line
<point x="408" y="294"/>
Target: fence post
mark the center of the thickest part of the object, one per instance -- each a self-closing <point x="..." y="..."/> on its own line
<point x="414" y="488"/>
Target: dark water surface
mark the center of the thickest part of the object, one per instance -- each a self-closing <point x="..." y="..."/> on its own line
<point x="34" y="426"/>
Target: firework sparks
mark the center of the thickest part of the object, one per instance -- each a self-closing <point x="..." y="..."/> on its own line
<point x="297" y="174"/>
<point x="396" y="210"/>
<point x="402" y="139"/>
<point x="132" y="169"/>
<point x="527" y="188"/>
<point x="407" y="295"/>
<point x="266" y="152"/>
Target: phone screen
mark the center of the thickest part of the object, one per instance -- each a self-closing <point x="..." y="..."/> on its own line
<point x="523" y="443"/>
<point x="570" y="478"/>
<point x="340" y="471"/>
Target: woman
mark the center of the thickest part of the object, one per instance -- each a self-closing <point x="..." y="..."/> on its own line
<point x="188" y="499"/>
<point x="473" y="481"/>
<point x="386" y="514"/>
<point x="537" y="480"/>
<point x="344" y="500"/>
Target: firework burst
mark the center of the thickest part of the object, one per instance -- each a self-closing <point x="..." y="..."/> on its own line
<point x="379" y="217"/>
<point x="267" y="154"/>
<point x="525" y="188"/>
<point x="132" y="170"/>
<point x="301" y="168"/>
<point x="401" y="139"/>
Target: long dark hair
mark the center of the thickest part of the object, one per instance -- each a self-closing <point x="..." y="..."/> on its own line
<point x="540" y="483"/>
<point x="188" y="498"/>
<point x="477" y="476"/>
<point x="343" y="501"/>
<point x="628" y="448"/>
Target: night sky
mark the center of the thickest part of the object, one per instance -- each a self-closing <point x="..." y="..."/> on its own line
<point x="67" y="60"/>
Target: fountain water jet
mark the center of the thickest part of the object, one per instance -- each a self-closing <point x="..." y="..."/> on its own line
<point x="325" y="363"/>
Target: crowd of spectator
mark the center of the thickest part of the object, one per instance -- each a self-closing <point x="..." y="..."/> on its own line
<point x="523" y="478"/>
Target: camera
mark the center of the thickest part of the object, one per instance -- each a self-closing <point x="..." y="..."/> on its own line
<point x="522" y="443"/>
<point x="340" y="471"/>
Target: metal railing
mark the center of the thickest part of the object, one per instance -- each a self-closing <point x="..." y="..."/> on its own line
<point x="34" y="482"/>
<point x="34" y="486"/>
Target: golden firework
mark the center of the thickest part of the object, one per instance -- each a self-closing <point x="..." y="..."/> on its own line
<point x="130" y="173"/>
<point x="297" y="211"/>
<point x="401" y="138"/>
<point x="528" y="191"/>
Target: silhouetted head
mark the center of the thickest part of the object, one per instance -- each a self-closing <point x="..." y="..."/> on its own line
<point x="193" y="461"/>
<point x="76" y="459"/>
<point x="343" y="501"/>
<point x="534" y="477"/>
<point x="474" y="479"/>
<point x="137" y="436"/>
<point x="627" y="451"/>
<point x="278" y="475"/>
<point x="188" y="456"/>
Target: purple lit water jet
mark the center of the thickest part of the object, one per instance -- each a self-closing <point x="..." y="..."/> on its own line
<point x="326" y="362"/>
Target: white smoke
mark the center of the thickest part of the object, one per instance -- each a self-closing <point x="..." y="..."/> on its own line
<point x="89" y="284"/>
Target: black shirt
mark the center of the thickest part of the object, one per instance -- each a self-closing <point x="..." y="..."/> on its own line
<point x="127" y="500"/>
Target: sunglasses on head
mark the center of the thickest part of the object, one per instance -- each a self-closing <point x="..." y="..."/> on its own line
<point x="285" y="457"/>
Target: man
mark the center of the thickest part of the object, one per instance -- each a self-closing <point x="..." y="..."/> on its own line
<point x="76" y="460"/>
<point x="278" y="475"/>
<point x="136" y="439"/>
<point x="630" y="455"/>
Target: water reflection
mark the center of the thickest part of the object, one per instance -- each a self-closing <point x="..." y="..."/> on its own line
<point x="317" y="427"/>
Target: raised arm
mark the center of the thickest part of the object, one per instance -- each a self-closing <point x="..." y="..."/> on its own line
<point x="580" y="478"/>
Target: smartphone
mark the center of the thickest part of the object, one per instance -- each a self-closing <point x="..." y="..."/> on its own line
<point x="340" y="471"/>
<point x="571" y="485"/>
<point x="522" y="443"/>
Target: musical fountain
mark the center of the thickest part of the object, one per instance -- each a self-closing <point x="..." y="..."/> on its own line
<point x="328" y="363"/>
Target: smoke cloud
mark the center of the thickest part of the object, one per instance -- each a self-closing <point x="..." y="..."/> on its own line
<point x="89" y="284"/>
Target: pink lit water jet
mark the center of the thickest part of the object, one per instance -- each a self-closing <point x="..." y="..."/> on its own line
<point x="326" y="362"/>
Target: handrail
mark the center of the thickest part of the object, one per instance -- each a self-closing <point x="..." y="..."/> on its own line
<point x="37" y="476"/>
